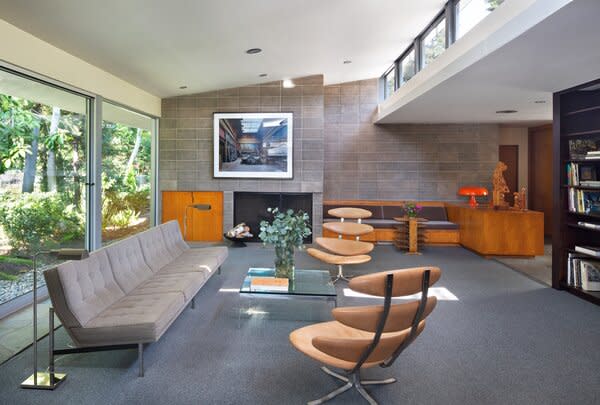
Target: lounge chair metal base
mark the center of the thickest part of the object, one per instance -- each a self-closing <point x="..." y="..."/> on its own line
<point x="45" y="381"/>
<point x="341" y="275"/>
<point x="352" y="380"/>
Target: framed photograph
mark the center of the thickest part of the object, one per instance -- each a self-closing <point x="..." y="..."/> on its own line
<point x="587" y="173"/>
<point x="255" y="145"/>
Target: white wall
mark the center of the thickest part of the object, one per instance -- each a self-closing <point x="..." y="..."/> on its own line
<point x="510" y="135"/>
<point x="22" y="49"/>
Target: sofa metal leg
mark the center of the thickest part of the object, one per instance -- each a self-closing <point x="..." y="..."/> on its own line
<point x="193" y="304"/>
<point x="219" y="270"/>
<point x="141" y="359"/>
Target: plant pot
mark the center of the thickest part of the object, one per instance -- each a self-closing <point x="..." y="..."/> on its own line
<point x="284" y="262"/>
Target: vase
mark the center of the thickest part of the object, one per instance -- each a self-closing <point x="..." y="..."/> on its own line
<point x="284" y="262"/>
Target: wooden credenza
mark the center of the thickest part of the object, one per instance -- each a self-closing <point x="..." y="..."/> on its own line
<point x="491" y="232"/>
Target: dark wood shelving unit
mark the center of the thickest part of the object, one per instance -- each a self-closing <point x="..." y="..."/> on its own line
<point x="576" y="117"/>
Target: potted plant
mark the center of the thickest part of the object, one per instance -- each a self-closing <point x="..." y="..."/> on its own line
<point x="286" y="232"/>
<point x="412" y="210"/>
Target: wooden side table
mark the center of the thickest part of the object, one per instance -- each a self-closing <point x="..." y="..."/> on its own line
<point x="409" y="234"/>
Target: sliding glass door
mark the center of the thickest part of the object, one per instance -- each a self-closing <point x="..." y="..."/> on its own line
<point x="43" y="166"/>
<point x="127" y="182"/>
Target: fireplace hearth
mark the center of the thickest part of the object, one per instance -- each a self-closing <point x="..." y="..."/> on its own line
<point x="251" y="208"/>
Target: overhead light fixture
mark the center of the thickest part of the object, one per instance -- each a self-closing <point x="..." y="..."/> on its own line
<point x="506" y="111"/>
<point x="253" y="51"/>
<point x="540" y="101"/>
<point x="347" y="62"/>
<point x="183" y="87"/>
<point x="262" y="75"/>
<point x="288" y="84"/>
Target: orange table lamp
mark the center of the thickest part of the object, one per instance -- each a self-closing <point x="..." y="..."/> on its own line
<point x="473" y="191"/>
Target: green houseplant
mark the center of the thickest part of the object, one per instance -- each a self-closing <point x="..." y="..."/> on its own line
<point x="286" y="232"/>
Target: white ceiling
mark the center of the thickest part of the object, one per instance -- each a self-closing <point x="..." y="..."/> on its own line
<point x="558" y="53"/>
<point x="160" y="45"/>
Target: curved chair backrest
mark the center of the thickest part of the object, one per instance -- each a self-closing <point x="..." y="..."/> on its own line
<point x="350" y="213"/>
<point x="394" y="327"/>
<point x="348" y="228"/>
<point x="345" y="247"/>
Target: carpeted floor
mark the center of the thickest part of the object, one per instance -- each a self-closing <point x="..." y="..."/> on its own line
<point x="506" y="340"/>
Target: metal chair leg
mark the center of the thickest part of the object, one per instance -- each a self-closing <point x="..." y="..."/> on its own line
<point x="341" y="275"/>
<point x="378" y="382"/>
<point x="365" y="394"/>
<point x="331" y="395"/>
<point x="141" y="359"/>
<point x="334" y="374"/>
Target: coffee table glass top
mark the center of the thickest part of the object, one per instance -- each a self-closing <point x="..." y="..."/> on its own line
<point x="306" y="282"/>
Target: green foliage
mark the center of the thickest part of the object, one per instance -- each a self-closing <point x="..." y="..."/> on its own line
<point x="287" y="230"/>
<point x="16" y="260"/>
<point x="17" y="122"/>
<point x="8" y="277"/>
<point x="39" y="220"/>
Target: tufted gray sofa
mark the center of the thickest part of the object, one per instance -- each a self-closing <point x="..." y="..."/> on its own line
<point x="130" y="292"/>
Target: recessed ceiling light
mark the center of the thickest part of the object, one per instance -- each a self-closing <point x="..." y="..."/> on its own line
<point x="253" y="51"/>
<point x="262" y="75"/>
<point x="183" y="87"/>
<point x="347" y="62"/>
<point x="540" y="101"/>
<point x="506" y="111"/>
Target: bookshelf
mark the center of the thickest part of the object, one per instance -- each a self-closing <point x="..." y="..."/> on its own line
<point x="576" y="144"/>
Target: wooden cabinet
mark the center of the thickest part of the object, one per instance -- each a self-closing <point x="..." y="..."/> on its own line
<point x="491" y="232"/>
<point x="205" y="226"/>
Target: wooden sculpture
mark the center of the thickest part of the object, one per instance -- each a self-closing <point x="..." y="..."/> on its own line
<point x="500" y="186"/>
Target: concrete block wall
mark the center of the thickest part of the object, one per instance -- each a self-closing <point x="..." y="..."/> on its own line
<point x="398" y="162"/>
<point x="186" y="140"/>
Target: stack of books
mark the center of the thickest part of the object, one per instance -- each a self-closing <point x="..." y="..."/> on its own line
<point x="269" y="284"/>
<point x="592" y="154"/>
<point x="583" y="272"/>
<point x="589" y="225"/>
<point x="584" y="201"/>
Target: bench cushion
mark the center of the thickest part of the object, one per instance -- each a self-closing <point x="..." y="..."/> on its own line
<point x="133" y="319"/>
<point x="127" y="260"/>
<point x="89" y="286"/>
<point x="173" y="239"/>
<point x="204" y="260"/>
<point x="154" y="249"/>
<point x="440" y="225"/>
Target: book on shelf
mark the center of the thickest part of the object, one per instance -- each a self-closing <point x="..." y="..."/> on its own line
<point x="588" y="250"/>
<point x="589" y="183"/>
<point x="588" y="225"/>
<point x="269" y="284"/>
<point x="584" y="201"/>
<point x="583" y="272"/>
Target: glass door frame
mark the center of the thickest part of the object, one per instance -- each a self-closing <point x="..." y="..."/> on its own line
<point x="93" y="183"/>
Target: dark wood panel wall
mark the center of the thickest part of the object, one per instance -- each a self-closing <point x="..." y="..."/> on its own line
<point x="540" y="173"/>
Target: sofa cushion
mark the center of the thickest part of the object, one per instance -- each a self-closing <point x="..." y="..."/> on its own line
<point x="391" y="211"/>
<point x="381" y="223"/>
<point x="440" y="225"/>
<point x="434" y="213"/>
<point x="206" y="260"/>
<point x="154" y="249"/>
<point x="89" y="286"/>
<point x="128" y="264"/>
<point x="133" y="319"/>
<point x="173" y="239"/>
<point x="374" y="209"/>
<point x="186" y="283"/>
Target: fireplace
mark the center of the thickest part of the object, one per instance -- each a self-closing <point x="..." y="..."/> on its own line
<point x="251" y="208"/>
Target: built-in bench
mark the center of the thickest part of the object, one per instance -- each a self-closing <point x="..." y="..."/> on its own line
<point x="129" y="293"/>
<point x="438" y="229"/>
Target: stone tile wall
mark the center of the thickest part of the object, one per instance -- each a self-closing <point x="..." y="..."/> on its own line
<point x="186" y="140"/>
<point x="397" y="162"/>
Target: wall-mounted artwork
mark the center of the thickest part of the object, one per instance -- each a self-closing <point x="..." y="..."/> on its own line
<point x="256" y="145"/>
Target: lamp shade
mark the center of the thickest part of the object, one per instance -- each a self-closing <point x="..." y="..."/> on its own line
<point x="473" y="191"/>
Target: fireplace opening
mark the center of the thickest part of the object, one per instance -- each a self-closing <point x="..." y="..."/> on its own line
<point x="251" y="208"/>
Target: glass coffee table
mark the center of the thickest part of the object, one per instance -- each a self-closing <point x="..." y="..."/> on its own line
<point x="314" y="285"/>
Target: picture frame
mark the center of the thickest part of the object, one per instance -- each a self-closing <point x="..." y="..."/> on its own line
<point x="253" y="145"/>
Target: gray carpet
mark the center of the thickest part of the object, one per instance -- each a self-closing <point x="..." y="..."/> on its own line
<point x="507" y="340"/>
